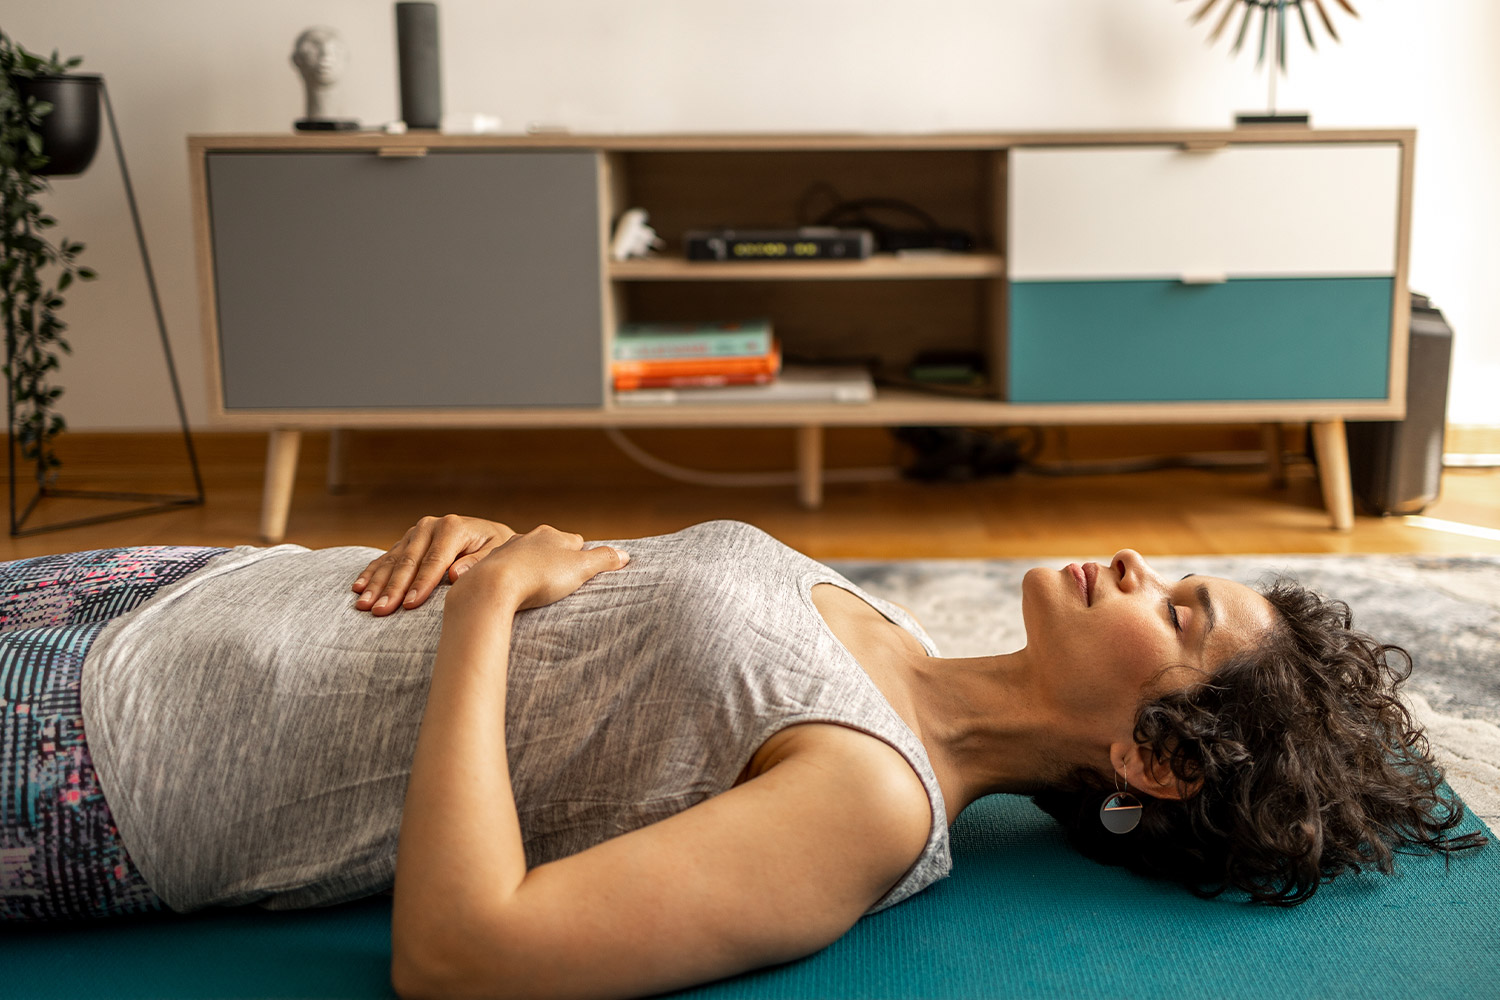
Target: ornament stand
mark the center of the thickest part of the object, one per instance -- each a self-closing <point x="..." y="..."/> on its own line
<point x="1272" y="116"/>
<point x="1277" y="65"/>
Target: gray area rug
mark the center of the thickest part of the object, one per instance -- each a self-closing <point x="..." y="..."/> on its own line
<point x="1444" y="610"/>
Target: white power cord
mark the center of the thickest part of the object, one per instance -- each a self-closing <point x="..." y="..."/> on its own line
<point x="699" y="477"/>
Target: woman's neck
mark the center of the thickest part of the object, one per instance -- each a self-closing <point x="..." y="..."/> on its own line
<point x="984" y="728"/>
<point x="981" y="719"/>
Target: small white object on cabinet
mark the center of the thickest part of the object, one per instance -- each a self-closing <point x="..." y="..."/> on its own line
<point x="633" y="237"/>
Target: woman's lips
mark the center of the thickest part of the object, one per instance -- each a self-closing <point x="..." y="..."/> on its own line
<point x="1090" y="580"/>
<point x="1081" y="575"/>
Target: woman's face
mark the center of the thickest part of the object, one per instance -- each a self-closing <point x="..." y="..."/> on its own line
<point x="1101" y="637"/>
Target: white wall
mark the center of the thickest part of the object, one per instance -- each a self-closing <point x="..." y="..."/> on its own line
<point x="177" y="67"/>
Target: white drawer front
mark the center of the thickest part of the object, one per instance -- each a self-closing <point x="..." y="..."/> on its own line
<point x="1247" y="210"/>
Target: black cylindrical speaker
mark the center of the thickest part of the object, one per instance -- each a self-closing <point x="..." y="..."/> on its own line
<point x="421" y="76"/>
<point x="1396" y="466"/>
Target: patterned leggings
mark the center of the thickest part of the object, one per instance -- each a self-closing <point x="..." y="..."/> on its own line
<point x="61" y="857"/>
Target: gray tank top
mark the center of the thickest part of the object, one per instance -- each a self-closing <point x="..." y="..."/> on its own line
<point x="253" y="733"/>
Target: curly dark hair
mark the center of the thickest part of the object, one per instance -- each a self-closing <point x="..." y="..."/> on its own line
<point x="1310" y="766"/>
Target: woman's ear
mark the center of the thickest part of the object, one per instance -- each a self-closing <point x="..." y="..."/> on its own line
<point x="1153" y="775"/>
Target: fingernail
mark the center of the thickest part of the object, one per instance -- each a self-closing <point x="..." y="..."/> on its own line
<point x="382" y="602"/>
<point x="410" y="599"/>
<point x="624" y="556"/>
<point x="360" y="582"/>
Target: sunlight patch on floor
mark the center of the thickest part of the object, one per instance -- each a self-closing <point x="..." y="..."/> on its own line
<point x="1452" y="527"/>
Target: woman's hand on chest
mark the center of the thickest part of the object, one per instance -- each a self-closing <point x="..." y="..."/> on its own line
<point x="532" y="570"/>
<point x="407" y="573"/>
<point x="552" y="565"/>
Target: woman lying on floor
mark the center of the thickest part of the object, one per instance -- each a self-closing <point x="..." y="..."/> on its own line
<point x="622" y="768"/>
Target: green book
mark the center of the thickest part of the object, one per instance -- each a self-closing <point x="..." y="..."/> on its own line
<point x="652" y="341"/>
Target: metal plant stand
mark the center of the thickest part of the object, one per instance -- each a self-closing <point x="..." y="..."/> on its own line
<point x="153" y="502"/>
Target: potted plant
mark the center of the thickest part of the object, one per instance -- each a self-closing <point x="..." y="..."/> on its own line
<point x="49" y="126"/>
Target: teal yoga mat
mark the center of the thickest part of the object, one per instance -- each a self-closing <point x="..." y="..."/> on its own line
<point x="1021" y="916"/>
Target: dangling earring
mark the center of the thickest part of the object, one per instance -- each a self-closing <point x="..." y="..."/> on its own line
<point x="1121" y="811"/>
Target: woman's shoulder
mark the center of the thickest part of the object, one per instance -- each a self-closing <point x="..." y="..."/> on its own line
<point x="874" y="787"/>
<point x="859" y="753"/>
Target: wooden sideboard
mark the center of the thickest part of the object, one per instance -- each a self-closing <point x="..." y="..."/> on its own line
<point x="1255" y="275"/>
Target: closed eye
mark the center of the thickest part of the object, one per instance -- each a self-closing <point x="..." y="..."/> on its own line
<point x="1172" y="613"/>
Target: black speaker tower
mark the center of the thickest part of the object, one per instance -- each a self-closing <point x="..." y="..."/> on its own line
<point x="421" y="76"/>
<point x="1397" y="465"/>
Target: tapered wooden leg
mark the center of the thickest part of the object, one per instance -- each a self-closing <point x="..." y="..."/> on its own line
<point x="1271" y="435"/>
<point x="281" y="472"/>
<point x="810" y="466"/>
<point x="1333" y="472"/>
<point x="336" y="445"/>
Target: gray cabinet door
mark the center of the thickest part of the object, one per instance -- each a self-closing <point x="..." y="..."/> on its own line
<point x="457" y="279"/>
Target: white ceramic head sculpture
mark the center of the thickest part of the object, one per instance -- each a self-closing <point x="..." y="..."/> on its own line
<point x="320" y="56"/>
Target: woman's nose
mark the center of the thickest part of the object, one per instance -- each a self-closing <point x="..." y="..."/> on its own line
<point x="1131" y="570"/>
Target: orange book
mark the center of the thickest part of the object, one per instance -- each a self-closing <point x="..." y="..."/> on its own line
<point x="627" y="382"/>
<point x="765" y="364"/>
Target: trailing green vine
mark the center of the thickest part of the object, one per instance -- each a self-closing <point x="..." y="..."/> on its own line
<point x="31" y="295"/>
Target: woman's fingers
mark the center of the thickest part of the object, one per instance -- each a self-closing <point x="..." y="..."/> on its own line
<point x="407" y="574"/>
<point x="573" y="567"/>
<point x="578" y="568"/>
<point x="393" y="573"/>
<point x="463" y="565"/>
<point x="535" y="569"/>
<point x="361" y="581"/>
<point x="609" y="558"/>
<point x="372" y="582"/>
<point x="451" y="537"/>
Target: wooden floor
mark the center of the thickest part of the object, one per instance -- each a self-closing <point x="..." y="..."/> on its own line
<point x="580" y="481"/>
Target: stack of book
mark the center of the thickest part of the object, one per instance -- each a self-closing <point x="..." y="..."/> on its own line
<point x="657" y="364"/>
<point x="694" y="355"/>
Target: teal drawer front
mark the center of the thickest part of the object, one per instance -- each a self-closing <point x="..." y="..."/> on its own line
<point x="1252" y="338"/>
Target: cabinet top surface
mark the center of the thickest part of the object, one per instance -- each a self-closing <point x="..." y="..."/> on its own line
<point x="714" y="141"/>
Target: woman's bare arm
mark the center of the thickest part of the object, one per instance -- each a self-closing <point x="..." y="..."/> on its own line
<point x="769" y="871"/>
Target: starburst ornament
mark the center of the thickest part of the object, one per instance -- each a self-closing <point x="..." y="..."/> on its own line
<point x="1274" y="15"/>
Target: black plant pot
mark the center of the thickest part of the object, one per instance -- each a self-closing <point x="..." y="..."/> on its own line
<point x="70" y="131"/>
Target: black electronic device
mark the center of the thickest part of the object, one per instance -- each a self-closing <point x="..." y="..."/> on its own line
<point x="802" y="243"/>
<point x="1273" y="118"/>
<point x="420" y="67"/>
<point x="326" y="125"/>
<point x="1396" y="466"/>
